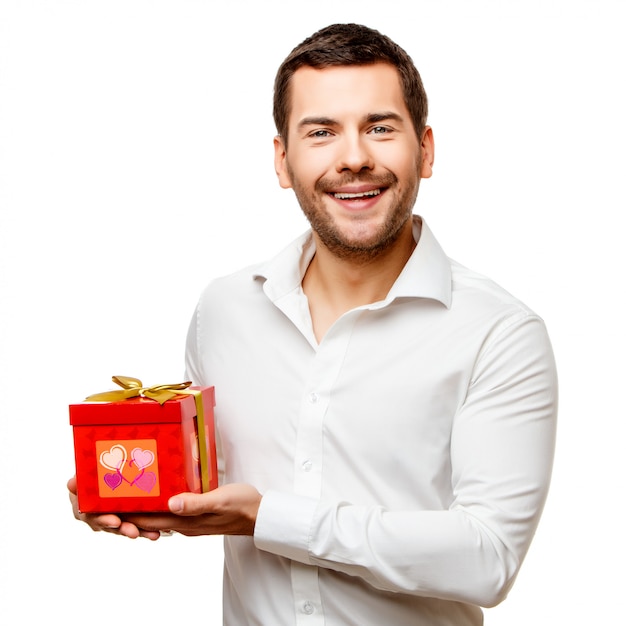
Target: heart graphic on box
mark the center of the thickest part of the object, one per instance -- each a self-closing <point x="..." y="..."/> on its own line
<point x="114" y="458"/>
<point x="113" y="480"/>
<point x="145" y="481"/>
<point x="142" y="458"/>
<point x="132" y="473"/>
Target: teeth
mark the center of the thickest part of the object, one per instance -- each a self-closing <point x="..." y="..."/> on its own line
<point x="350" y="196"/>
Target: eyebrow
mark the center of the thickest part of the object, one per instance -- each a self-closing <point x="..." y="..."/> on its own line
<point x="371" y="118"/>
<point x="317" y="121"/>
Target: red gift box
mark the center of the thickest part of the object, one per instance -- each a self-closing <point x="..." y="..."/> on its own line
<point x="133" y="454"/>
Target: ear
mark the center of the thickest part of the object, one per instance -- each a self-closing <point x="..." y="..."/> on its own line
<point x="428" y="153"/>
<point x="280" y="163"/>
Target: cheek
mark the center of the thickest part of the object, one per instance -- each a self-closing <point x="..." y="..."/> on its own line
<point x="408" y="172"/>
<point x="401" y="157"/>
<point x="305" y="172"/>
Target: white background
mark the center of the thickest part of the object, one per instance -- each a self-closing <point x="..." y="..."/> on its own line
<point x="136" y="165"/>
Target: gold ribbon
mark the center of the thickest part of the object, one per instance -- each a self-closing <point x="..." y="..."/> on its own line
<point x="133" y="387"/>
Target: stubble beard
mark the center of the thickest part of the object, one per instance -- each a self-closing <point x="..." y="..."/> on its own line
<point x="356" y="249"/>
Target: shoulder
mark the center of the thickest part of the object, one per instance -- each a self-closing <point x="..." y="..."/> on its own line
<point x="482" y="306"/>
<point x="470" y="288"/>
<point x="272" y="278"/>
<point x="223" y="292"/>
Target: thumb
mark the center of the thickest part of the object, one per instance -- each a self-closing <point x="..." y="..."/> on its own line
<point x="188" y="504"/>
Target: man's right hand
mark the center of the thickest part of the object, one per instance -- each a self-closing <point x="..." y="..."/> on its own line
<point x="107" y="522"/>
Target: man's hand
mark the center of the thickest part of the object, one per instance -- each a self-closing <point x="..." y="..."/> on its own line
<point x="107" y="522"/>
<point x="228" y="510"/>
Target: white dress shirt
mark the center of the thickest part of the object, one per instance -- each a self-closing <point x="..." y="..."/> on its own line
<point x="404" y="460"/>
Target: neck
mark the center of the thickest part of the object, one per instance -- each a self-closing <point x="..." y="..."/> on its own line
<point x="335" y="285"/>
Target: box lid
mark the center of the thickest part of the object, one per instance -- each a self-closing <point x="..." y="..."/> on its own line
<point x="138" y="410"/>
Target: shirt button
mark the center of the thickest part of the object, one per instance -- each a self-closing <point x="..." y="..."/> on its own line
<point x="313" y="398"/>
<point x="308" y="607"/>
<point x="307" y="466"/>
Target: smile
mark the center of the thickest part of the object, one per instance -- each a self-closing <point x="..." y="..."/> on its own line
<point x="352" y="196"/>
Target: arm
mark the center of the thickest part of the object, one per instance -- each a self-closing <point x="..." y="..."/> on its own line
<point x="501" y="452"/>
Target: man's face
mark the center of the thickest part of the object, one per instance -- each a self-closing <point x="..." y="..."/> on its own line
<point x="354" y="160"/>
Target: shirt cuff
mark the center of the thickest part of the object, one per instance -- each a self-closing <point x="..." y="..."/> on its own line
<point x="283" y="525"/>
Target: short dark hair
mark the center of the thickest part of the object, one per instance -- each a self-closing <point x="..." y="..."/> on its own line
<point x="349" y="44"/>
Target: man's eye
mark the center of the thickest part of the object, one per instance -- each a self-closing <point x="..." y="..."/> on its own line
<point x="380" y="130"/>
<point x="319" y="134"/>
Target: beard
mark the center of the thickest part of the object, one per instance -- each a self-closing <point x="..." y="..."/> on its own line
<point x="360" y="245"/>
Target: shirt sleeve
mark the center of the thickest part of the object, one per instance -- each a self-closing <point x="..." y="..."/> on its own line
<point x="192" y="362"/>
<point x="501" y="454"/>
<point x="194" y="373"/>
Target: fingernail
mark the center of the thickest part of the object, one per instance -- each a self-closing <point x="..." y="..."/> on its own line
<point x="176" y="505"/>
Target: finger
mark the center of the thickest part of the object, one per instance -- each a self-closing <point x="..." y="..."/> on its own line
<point x="190" y="504"/>
<point x="152" y="535"/>
<point x="108" y="522"/>
<point x="71" y="485"/>
<point x="132" y="531"/>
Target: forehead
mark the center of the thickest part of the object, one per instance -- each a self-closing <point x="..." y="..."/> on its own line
<point x="345" y="92"/>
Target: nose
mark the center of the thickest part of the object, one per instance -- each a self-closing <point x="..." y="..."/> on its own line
<point x="354" y="155"/>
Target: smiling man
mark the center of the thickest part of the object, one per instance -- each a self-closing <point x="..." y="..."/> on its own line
<point x="355" y="168"/>
<point x="386" y="417"/>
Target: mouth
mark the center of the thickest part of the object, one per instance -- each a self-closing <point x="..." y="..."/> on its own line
<point x="342" y="195"/>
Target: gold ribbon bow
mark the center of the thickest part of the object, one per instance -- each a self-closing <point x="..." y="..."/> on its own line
<point x="133" y="387"/>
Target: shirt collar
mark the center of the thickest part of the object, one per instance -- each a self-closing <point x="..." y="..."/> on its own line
<point x="427" y="273"/>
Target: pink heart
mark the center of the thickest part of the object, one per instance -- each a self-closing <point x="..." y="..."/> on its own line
<point x="142" y="458"/>
<point x="113" y="480"/>
<point x="145" y="481"/>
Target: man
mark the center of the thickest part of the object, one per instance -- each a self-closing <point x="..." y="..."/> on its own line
<point x="386" y="417"/>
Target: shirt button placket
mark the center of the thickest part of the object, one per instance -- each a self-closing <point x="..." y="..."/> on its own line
<point x="309" y="444"/>
<point x="307" y="482"/>
<point x="308" y="466"/>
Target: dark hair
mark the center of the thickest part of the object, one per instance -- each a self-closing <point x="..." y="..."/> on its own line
<point x="349" y="44"/>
